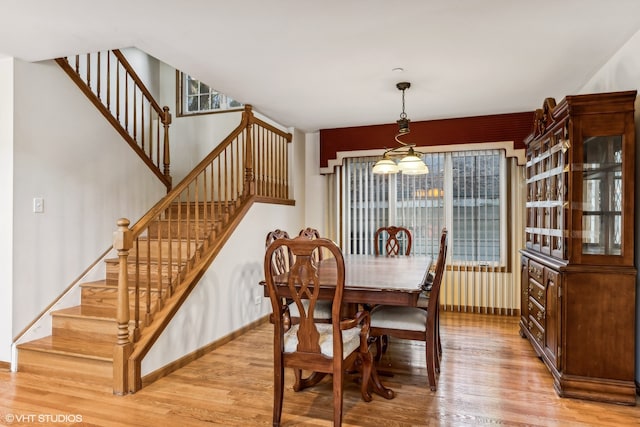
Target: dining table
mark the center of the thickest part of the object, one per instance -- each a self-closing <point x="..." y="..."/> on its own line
<point x="370" y="280"/>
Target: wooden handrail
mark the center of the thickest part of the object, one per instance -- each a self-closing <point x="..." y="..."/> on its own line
<point x="138" y="81"/>
<point x="120" y="95"/>
<point x="185" y="230"/>
<point x="59" y="298"/>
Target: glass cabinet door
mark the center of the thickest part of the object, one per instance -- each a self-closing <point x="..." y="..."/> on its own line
<point x="602" y="195"/>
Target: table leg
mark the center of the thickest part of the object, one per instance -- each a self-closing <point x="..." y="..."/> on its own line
<point x="377" y="385"/>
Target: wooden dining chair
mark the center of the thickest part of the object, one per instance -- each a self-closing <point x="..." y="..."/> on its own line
<point x="282" y="259"/>
<point x="396" y="237"/>
<point x="322" y="348"/>
<point x="416" y="323"/>
<point x="323" y="308"/>
<point x="312" y="233"/>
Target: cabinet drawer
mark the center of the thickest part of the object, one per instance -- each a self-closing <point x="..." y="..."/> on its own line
<point x="536" y="291"/>
<point x="536" y="331"/>
<point x="536" y="311"/>
<point x="535" y="271"/>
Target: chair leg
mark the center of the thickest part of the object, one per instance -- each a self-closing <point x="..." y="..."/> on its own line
<point x="431" y="355"/>
<point x="302" y="383"/>
<point x="438" y="332"/>
<point x="438" y="343"/>
<point x="337" y="398"/>
<point x="278" y="389"/>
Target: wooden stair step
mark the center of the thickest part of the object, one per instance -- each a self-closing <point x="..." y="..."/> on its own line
<point x="99" y="294"/>
<point x="113" y="271"/>
<point x="85" y="322"/>
<point x="190" y="208"/>
<point x="182" y="229"/>
<point x="108" y="287"/>
<point x="68" y="358"/>
<point x="88" y="322"/>
<point x="156" y="249"/>
<point x="72" y="347"/>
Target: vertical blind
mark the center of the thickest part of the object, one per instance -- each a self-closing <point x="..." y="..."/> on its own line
<point x="465" y="191"/>
<point x="461" y="191"/>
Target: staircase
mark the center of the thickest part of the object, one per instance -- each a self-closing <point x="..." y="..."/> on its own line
<point x="81" y="344"/>
<point x="116" y="90"/>
<point x="155" y="263"/>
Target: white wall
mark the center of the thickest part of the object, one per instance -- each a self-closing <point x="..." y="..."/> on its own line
<point x="315" y="186"/>
<point x="622" y="72"/>
<point x="68" y="154"/>
<point x="6" y="212"/>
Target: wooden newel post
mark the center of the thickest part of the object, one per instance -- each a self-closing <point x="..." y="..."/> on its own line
<point x="249" y="178"/>
<point x="122" y="242"/>
<point x="166" y="121"/>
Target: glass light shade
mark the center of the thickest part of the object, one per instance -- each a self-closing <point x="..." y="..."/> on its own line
<point x="385" y="166"/>
<point x="412" y="165"/>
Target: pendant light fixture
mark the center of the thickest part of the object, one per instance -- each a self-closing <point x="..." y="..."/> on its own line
<point x="409" y="162"/>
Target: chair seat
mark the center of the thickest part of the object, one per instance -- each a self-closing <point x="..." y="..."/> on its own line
<point x="321" y="311"/>
<point x="350" y="339"/>
<point x="405" y="318"/>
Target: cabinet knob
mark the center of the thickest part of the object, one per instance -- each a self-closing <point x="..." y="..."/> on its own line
<point x="539" y="315"/>
<point x="540" y="294"/>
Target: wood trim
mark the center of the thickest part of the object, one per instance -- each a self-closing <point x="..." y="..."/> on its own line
<point x="507" y="146"/>
<point x="274" y="201"/>
<point x="5" y="366"/>
<point x="513" y="127"/>
<point x="194" y="355"/>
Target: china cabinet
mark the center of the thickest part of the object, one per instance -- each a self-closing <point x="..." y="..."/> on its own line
<point x="577" y="266"/>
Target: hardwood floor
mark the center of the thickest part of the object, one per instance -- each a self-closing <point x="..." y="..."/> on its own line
<point x="489" y="376"/>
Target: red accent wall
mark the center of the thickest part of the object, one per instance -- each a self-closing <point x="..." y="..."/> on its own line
<point x="500" y="127"/>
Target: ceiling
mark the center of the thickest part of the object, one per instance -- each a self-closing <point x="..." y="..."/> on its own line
<point x="327" y="64"/>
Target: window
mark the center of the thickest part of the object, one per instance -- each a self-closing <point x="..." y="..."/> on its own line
<point x="197" y="97"/>
<point x="463" y="191"/>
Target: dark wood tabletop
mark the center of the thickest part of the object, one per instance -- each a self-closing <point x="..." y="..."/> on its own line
<point x="373" y="279"/>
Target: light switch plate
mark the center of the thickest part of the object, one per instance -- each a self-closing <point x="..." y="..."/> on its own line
<point x="38" y="205"/>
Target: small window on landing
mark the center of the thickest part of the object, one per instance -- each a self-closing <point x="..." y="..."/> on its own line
<point x="196" y="97"/>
